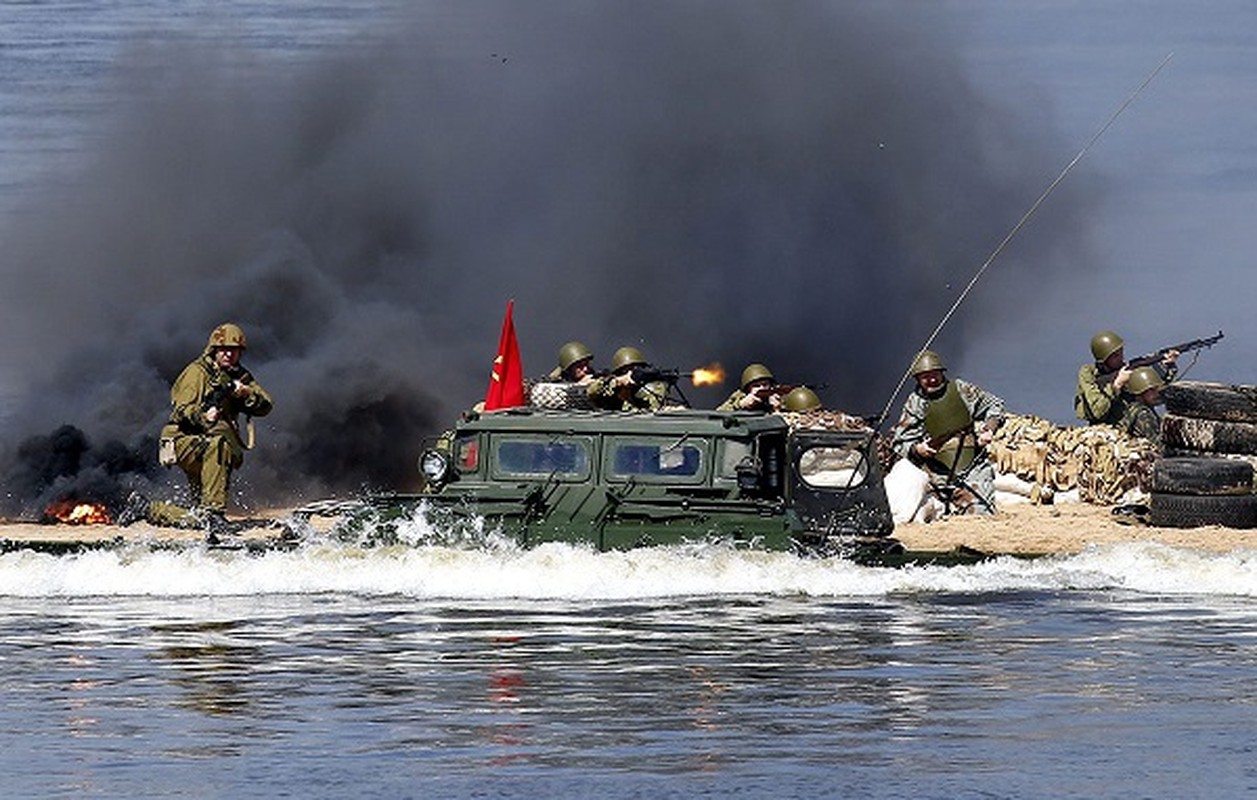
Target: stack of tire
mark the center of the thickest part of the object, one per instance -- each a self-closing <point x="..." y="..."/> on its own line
<point x="1210" y="437"/>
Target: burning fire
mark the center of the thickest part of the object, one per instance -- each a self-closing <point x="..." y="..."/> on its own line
<point x="75" y="513"/>
<point x="708" y="375"/>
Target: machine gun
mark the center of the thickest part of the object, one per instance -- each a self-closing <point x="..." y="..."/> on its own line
<point x="1155" y="359"/>
<point x="645" y="375"/>
<point x="1183" y="347"/>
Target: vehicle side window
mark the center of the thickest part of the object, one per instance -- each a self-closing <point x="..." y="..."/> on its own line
<point x="467" y="454"/>
<point x="661" y="459"/>
<point x="833" y="467"/>
<point x="527" y="457"/>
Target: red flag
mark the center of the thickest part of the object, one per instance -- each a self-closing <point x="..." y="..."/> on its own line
<point x="506" y="384"/>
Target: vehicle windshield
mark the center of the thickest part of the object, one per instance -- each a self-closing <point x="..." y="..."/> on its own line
<point x="662" y="459"/>
<point x="543" y="457"/>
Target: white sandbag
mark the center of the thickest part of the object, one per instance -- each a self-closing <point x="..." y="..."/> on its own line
<point x="906" y="488"/>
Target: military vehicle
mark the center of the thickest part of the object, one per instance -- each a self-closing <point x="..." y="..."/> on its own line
<point x="617" y="480"/>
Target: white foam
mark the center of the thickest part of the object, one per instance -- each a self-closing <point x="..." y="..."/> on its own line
<point x="565" y="572"/>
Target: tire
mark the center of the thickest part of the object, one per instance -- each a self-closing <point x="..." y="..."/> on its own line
<point x="1195" y="511"/>
<point x="1220" y="401"/>
<point x="1207" y="435"/>
<point x="1202" y="476"/>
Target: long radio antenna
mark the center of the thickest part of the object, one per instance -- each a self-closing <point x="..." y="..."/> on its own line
<point x="1016" y="228"/>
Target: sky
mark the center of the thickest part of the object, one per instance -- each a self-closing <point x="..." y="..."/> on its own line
<point x="363" y="186"/>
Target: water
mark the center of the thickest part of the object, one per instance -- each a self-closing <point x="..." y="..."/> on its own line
<point x="335" y="671"/>
<point x="424" y="671"/>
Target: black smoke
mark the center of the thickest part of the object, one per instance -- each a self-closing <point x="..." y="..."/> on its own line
<point x="802" y="183"/>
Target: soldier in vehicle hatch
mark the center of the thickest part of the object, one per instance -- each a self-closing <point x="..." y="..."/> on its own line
<point x="1099" y="398"/>
<point x="576" y="364"/>
<point x="756" y="392"/>
<point x="203" y="436"/>
<point x="620" y="391"/>
<point x="944" y="429"/>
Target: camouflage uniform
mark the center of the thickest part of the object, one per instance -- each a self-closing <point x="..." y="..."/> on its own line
<point x="206" y="451"/>
<point x="1143" y="422"/>
<point x="979" y="475"/>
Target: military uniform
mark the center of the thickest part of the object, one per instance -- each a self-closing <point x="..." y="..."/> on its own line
<point x="1142" y="393"/>
<point x="735" y="400"/>
<point x="607" y="397"/>
<point x="208" y="450"/>
<point x="960" y="467"/>
<point x="757" y="375"/>
<point x="1097" y="399"/>
<point x="1143" y="422"/>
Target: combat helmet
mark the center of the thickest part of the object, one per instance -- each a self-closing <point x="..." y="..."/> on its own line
<point x="627" y="357"/>
<point x="1142" y="379"/>
<point x="1105" y="344"/>
<point x="229" y="334"/>
<point x="801" y="398"/>
<point x="572" y="352"/>
<point x="927" y="361"/>
<point x="755" y="372"/>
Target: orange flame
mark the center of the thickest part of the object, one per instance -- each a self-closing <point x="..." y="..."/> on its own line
<point x="74" y="513"/>
<point x="708" y="375"/>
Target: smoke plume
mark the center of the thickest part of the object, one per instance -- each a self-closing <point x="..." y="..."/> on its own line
<point x="802" y="184"/>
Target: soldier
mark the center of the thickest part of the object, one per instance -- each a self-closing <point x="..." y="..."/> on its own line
<point x="620" y="391"/>
<point x="1099" y="398"/>
<point x="756" y="392"/>
<point x="1144" y="392"/>
<point x="801" y="399"/>
<point x="944" y="429"/>
<point x="575" y="364"/>
<point x="203" y="436"/>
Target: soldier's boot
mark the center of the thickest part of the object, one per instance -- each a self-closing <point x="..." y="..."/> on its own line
<point x="136" y="509"/>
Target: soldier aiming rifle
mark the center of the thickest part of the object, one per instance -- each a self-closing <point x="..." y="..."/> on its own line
<point x="1099" y="397"/>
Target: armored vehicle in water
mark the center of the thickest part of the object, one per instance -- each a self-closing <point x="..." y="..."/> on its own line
<point x="618" y="480"/>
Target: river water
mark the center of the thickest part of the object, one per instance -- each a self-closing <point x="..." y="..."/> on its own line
<point x="420" y="671"/>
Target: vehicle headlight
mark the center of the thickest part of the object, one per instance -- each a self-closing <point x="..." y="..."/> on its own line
<point x="434" y="465"/>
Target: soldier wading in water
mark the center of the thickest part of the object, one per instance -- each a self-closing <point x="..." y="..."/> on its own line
<point x="203" y="435"/>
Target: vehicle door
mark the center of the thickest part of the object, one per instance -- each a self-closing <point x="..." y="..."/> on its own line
<point x="836" y="484"/>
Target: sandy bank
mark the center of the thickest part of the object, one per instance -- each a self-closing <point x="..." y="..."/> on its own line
<point x="1016" y="529"/>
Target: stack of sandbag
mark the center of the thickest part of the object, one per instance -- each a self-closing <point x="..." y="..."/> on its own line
<point x="1103" y="464"/>
<point x="562" y="395"/>
<point x="822" y="419"/>
<point x="1210" y="438"/>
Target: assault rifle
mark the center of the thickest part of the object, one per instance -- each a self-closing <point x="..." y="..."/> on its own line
<point x="1155" y="359"/>
<point x="220" y="392"/>
<point x="1183" y="347"/>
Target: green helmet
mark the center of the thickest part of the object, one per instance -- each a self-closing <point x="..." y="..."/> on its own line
<point x="927" y="361"/>
<point x="1105" y="344"/>
<point x="755" y="372"/>
<point x="572" y="352"/>
<point x="1142" y="379"/>
<point x="801" y="398"/>
<point x="229" y="334"/>
<point x="628" y="357"/>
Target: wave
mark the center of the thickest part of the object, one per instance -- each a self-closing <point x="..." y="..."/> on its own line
<point x="558" y="571"/>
